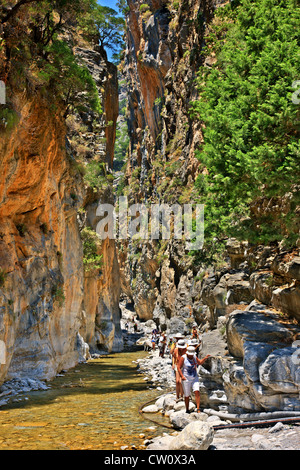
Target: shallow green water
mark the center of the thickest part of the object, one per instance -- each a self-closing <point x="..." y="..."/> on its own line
<point x="94" y="406"/>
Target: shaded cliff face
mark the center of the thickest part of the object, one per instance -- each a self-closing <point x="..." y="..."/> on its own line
<point x="95" y="140"/>
<point x="165" y="42"/>
<point x="250" y="299"/>
<point x="163" y="55"/>
<point x="49" y="307"/>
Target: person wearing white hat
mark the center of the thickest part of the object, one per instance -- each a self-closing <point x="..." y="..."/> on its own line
<point x="176" y="337"/>
<point x="196" y="337"/>
<point x="197" y="344"/>
<point x="187" y="368"/>
<point x="177" y="354"/>
<point x="162" y="344"/>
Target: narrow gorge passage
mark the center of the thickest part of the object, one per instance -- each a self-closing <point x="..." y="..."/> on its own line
<point x="165" y="104"/>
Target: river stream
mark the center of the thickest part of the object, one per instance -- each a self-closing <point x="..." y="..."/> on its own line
<point x="93" y="406"/>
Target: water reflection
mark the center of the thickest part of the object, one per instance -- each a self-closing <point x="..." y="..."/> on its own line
<point x="94" y="406"/>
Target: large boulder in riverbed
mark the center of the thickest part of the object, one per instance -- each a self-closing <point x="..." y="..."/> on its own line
<point x="255" y="326"/>
<point x="281" y="371"/>
<point x="287" y="299"/>
<point x="268" y="374"/>
<point x="197" y="435"/>
<point x="180" y="419"/>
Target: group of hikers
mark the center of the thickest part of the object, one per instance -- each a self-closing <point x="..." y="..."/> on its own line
<point x="185" y="360"/>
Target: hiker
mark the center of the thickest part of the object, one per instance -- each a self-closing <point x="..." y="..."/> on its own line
<point x="178" y="353"/>
<point x="172" y="346"/>
<point x="196" y="338"/>
<point x="153" y="339"/>
<point x="197" y="345"/>
<point x="177" y="337"/>
<point x="162" y="344"/>
<point x="194" y="332"/>
<point x="187" y="368"/>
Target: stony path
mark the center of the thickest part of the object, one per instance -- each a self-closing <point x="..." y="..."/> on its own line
<point x="278" y="437"/>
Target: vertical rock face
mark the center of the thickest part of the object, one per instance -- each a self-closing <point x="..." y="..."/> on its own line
<point x="40" y="246"/>
<point x="165" y="41"/>
<point x="148" y="60"/>
<point x="101" y="327"/>
<point x="163" y="55"/>
<point x="111" y="107"/>
<point x="108" y="330"/>
<point x="48" y="307"/>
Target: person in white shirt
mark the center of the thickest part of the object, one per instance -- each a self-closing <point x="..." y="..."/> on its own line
<point x="187" y="368"/>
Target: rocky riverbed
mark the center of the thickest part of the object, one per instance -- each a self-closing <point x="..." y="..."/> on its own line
<point x="158" y="372"/>
<point x="196" y="431"/>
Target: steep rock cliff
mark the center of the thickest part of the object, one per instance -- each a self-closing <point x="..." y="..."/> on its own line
<point x="163" y="55"/>
<point x="49" y="308"/>
<point x="41" y="294"/>
<point x="251" y="285"/>
<point x="95" y="141"/>
<point x="165" y="48"/>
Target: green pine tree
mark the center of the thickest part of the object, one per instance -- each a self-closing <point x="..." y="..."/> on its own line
<point x="251" y="125"/>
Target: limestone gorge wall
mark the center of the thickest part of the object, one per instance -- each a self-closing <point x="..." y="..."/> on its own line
<point x="41" y="293"/>
<point x="96" y="140"/>
<point x="162" y="58"/>
<point x="49" y="308"/>
<point x="52" y="307"/>
<point x="251" y="301"/>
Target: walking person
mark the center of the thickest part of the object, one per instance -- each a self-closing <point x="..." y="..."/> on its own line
<point x="195" y="333"/>
<point x="154" y="338"/>
<point x="177" y="337"/>
<point x="187" y="368"/>
<point x="171" y="346"/>
<point x="177" y="354"/>
<point x="196" y="339"/>
<point x="162" y="344"/>
<point x="196" y="343"/>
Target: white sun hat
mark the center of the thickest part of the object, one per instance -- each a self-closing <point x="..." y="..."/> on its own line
<point x="190" y="350"/>
<point x="178" y="335"/>
<point x="181" y="344"/>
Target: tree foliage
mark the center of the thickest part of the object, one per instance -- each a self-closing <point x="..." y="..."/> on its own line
<point x="91" y="242"/>
<point x="34" y="53"/>
<point x="105" y="24"/>
<point x="67" y="78"/>
<point x="251" y="148"/>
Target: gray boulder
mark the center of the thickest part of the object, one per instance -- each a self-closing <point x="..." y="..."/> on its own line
<point x="281" y="372"/>
<point x="258" y="327"/>
<point x="197" y="435"/>
<point x="268" y="377"/>
<point x="180" y="419"/>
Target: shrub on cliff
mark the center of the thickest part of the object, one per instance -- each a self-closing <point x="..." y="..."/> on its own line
<point x="92" y="260"/>
<point x="35" y="56"/>
<point x="250" y="155"/>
